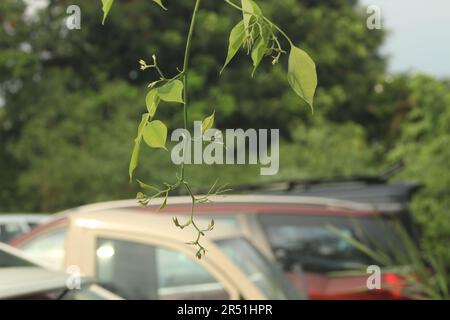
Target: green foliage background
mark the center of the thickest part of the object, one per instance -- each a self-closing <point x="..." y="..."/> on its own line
<point x="72" y="100"/>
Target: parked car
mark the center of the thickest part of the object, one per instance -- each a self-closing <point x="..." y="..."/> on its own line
<point x="295" y="230"/>
<point x="22" y="279"/>
<point x="12" y="225"/>
<point x="139" y="256"/>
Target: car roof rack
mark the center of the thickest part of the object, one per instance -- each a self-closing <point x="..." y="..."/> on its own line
<point x="288" y="185"/>
<point x="375" y="190"/>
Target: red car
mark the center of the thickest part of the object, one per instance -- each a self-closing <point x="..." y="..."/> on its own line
<point x="295" y="230"/>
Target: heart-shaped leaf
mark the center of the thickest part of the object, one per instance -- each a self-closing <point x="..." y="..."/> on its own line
<point x="155" y="134"/>
<point x="237" y="36"/>
<point x="302" y="75"/>
<point x="107" y="4"/>
<point x="171" y="91"/>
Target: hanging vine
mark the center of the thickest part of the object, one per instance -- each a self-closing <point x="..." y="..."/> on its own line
<point x="260" y="38"/>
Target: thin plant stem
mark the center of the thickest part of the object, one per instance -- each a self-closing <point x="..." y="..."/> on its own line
<point x="187" y="53"/>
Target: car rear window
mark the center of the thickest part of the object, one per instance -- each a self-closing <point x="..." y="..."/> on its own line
<point x="310" y="240"/>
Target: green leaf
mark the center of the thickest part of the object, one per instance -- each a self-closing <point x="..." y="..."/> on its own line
<point x="208" y="122"/>
<point x="256" y="9"/>
<point x="152" y="101"/>
<point x="134" y="161"/>
<point x="171" y="91"/>
<point x="155" y="134"/>
<point x="107" y="4"/>
<point x="260" y="49"/>
<point x="159" y="2"/>
<point x="147" y="186"/>
<point x="237" y="36"/>
<point x="249" y="8"/>
<point x="164" y="204"/>
<point x="302" y="75"/>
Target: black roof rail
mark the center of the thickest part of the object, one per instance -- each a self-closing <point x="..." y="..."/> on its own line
<point x="375" y="190"/>
<point x="288" y="185"/>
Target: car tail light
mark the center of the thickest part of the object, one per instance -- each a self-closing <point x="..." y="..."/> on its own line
<point x="395" y="284"/>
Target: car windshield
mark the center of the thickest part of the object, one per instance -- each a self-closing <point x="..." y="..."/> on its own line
<point x="260" y="271"/>
<point x="310" y="240"/>
<point x="8" y="260"/>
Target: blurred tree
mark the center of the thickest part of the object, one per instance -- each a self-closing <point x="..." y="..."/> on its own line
<point x="16" y="64"/>
<point x="423" y="145"/>
<point x="78" y="152"/>
<point x="70" y="97"/>
<point x="327" y="150"/>
<point x="389" y="105"/>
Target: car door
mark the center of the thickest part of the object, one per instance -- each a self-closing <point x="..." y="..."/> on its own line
<point x="142" y="267"/>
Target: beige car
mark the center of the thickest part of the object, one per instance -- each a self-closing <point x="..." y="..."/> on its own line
<point x="139" y="256"/>
<point x="294" y="230"/>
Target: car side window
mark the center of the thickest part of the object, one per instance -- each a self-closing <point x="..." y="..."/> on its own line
<point x="134" y="270"/>
<point x="47" y="248"/>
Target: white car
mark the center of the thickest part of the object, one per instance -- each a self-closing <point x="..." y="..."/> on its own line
<point x="21" y="278"/>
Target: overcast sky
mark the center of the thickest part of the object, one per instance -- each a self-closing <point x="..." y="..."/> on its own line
<point x="419" y="38"/>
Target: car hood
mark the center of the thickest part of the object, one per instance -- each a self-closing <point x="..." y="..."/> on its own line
<point x="18" y="281"/>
